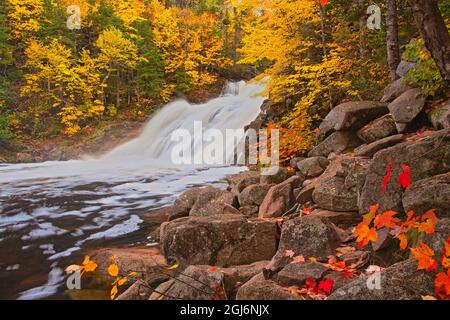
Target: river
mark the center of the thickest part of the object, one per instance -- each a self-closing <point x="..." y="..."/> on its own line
<point x="51" y="212"/>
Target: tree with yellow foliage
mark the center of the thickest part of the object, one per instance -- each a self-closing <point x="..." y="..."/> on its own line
<point x="117" y="55"/>
<point x="23" y="17"/>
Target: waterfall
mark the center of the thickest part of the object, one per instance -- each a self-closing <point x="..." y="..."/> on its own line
<point x="238" y="105"/>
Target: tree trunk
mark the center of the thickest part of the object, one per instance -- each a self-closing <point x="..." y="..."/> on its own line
<point x="434" y="31"/>
<point x="362" y="27"/>
<point x="393" y="48"/>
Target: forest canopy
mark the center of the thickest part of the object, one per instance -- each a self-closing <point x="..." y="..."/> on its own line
<point x="132" y="56"/>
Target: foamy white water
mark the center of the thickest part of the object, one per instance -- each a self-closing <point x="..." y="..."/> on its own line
<point x="50" y="211"/>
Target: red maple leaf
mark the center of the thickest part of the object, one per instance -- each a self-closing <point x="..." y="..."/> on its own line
<point x="386" y="178"/>
<point x="404" y="179"/>
<point x="321" y="2"/>
<point x="442" y="283"/>
<point x="326" y="286"/>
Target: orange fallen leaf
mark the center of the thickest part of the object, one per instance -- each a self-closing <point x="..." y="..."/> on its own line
<point x="365" y="235"/>
<point x="442" y="283"/>
<point x="387" y="220"/>
<point x="425" y="256"/>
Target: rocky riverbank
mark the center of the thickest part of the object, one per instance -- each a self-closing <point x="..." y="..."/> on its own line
<point x="265" y="237"/>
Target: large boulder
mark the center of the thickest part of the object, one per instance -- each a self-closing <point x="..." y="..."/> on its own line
<point x="368" y="150"/>
<point x="378" y="129"/>
<point x="401" y="281"/>
<point x="139" y="290"/>
<point x="222" y="240"/>
<point x="439" y="116"/>
<point x="279" y="176"/>
<point x="352" y="116"/>
<point x="309" y="236"/>
<point x="331" y="194"/>
<point x="296" y="274"/>
<point x="312" y="167"/>
<point x="147" y="262"/>
<point x="338" y="188"/>
<point x="405" y="108"/>
<point x="394" y="90"/>
<point x="184" y="203"/>
<point x="279" y="198"/>
<point x="258" y="288"/>
<point x="212" y="202"/>
<point x="195" y="283"/>
<point x="254" y="195"/>
<point x="429" y="193"/>
<point x="337" y="142"/>
<point x="341" y="219"/>
<point x="240" y="181"/>
<point x="428" y="156"/>
<point x="404" y="67"/>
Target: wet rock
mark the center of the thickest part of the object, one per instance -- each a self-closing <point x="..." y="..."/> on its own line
<point x="312" y="167"/>
<point x="401" y="281"/>
<point x="378" y="129"/>
<point x="222" y="240"/>
<point x="368" y="150"/>
<point x="310" y="236"/>
<point x="258" y="288"/>
<point x="338" y="142"/>
<point x="394" y="90"/>
<point x="404" y="67"/>
<point x="429" y="193"/>
<point x="331" y="194"/>
<point x="211" y="202"/>
<point x="279" y="198"/>
<point x="158" y="216"/>
<point x="147" y="262"/>
<point x="406" y="107"/>
<point x="352" y="116"/>
<point x="427" y="156"/>
<point x="340" y="219"/>
<point x="184" y="203"/>
<point x="296" y="274"/>
<point x="439" y="116"/>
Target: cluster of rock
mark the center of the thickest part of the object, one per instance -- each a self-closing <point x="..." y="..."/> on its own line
<point x="229" y="243"/>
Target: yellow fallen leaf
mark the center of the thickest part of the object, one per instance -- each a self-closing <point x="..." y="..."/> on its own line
<point x="122" y="281"/>
<point x="114" y="292"/>
<point x="428" y="298"/>
<point x="175" y="266"/>
<point x="113" y="270"/>
<point x="73" y="268"/>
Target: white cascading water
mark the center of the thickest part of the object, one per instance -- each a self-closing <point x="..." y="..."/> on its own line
<point x="50" y="211"/>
